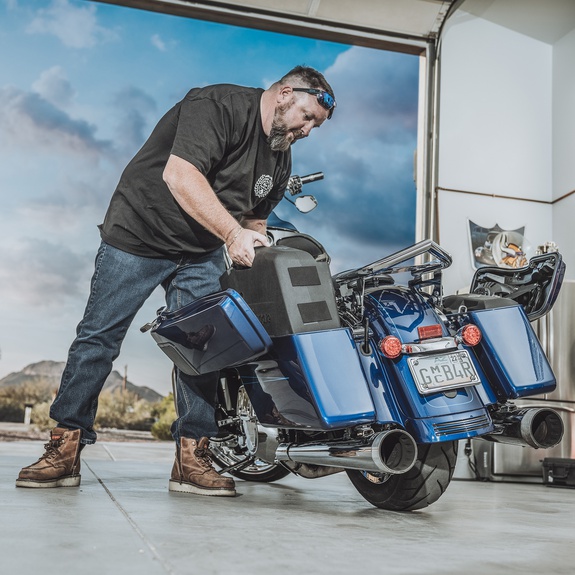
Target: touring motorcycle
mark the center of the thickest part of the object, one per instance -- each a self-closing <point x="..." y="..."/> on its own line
<point x="372" y="371"/>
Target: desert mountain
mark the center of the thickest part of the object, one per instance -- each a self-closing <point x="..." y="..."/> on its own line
<point x="48" y="373"/>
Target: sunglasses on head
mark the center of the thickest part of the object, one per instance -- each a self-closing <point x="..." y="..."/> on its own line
<point x="325" y="99"/>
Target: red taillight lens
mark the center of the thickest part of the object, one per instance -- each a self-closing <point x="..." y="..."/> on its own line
<point x="429" y="331"/>
<point x="390" y="346"/>
<point x="470" y="334"/>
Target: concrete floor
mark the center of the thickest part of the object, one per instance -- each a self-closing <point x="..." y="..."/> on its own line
<point x="122" y="520"/>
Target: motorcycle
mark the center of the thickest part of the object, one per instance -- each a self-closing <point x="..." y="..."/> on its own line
<point x="372" y="371"/>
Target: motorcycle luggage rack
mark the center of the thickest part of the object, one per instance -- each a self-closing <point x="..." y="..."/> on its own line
<point x="392" y="265"/>
<point x="381" y="271"/>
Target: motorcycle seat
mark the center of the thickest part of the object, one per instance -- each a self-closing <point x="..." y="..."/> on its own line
<point x="307" y="244"/>
<point x="473" y="302"/>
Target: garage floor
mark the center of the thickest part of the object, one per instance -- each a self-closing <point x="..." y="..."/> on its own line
<point x="122" y="520"/>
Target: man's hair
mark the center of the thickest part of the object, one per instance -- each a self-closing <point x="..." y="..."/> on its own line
<point x="306" y="77"/>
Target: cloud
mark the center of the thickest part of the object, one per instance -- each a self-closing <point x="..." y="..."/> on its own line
<point x="67" y="187"/>
<point x="158" y="43"/>
<point x="70" y="172"/>
<point x="367" y="200"/>
<point x="135" y="109"/>
<point x="71" y="206"/>
<point x="30" y="119"/>
<point x="75" y="26"/>
<point x="377" y="91"/>
<point x="47" y="275"/>
<point x="54" y="87"/>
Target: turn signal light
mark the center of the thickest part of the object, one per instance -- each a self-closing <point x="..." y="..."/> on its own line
<point x="390" y="346"/>
<point x="429" y="331"/>
<point x="470" y="334"/>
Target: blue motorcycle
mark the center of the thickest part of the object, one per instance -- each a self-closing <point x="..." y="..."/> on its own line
<point x="372" y="371"/>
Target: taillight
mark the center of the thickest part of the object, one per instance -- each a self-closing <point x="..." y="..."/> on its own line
<point x="429" y="331"/>
<point x="390" y="346"/>
<point x="469" y="334"/>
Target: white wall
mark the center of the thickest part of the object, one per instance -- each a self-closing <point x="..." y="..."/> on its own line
<point x="564" y="148"/>
<point x="495" y="137"/>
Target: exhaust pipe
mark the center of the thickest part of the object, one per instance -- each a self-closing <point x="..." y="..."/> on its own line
<point x="393" y="451"/>
<point x="538" y="427"/>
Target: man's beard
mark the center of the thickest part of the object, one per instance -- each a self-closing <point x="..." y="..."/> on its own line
<point x="278" y="139"/>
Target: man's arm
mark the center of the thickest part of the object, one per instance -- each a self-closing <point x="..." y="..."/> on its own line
<point x="195" y="196"/>
<point x="251" y="222"/>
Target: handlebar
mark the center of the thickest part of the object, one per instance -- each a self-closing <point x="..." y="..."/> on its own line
<point x="312" y="178"/>
<point x="295" y="183"/>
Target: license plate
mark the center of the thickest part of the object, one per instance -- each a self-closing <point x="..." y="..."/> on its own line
<point x="433" y="373"/>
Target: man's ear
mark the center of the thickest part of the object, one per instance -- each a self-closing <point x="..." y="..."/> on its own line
<point x="284" y="94"/>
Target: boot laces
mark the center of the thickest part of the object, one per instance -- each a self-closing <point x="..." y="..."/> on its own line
<point x="52" y="448"/>
<point x="204" y="457"/>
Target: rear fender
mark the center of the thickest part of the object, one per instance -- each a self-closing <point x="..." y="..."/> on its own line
<point x="399" y="311"/>
<point x="443" y="416"/>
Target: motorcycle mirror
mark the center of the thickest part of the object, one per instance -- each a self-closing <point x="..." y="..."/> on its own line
<point x="305" y="204"/>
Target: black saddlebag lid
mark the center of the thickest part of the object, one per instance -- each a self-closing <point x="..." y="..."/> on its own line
<point x="288" y="290"/>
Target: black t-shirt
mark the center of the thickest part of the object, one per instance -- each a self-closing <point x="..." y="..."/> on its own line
<point x="218" y="129"/>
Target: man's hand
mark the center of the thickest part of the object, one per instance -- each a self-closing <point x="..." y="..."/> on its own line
<point x="241" y="246"/>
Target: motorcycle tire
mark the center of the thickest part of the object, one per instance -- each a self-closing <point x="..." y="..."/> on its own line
<point x="421" y="486"/>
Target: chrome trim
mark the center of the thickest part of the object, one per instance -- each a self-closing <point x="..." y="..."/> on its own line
<point x="538" y="427"/>
<point x="430" y="346"/>
<point x="393" y="451"/>
<point x="391" y="264"/>
<point x="461" y="425"/>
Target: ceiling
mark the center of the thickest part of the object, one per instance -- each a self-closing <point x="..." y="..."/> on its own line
<point x="547" y="20"/>
<point x="399" y="25"/>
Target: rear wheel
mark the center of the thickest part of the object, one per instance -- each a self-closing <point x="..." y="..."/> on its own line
<point x="421" y="486"/>
<point x="225" y="454"/>
<point x="241" y="447"/>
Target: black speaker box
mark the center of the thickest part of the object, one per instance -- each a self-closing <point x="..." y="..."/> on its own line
<point x="287" y="290"/>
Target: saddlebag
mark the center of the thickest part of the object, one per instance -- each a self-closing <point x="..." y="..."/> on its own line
<point x="216" y="331"/>
<point x="288" y="290"/>
<point x="311" y="381"/>
<point x="510" y="353"/>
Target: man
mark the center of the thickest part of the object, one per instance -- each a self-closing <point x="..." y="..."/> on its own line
<point x="206" y="180"/>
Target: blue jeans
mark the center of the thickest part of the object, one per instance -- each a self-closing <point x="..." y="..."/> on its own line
<point x="121" y="283"/>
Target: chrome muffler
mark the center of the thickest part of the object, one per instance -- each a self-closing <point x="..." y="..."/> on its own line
<point x="393" y="451"/>
<point x="538" y="427"/>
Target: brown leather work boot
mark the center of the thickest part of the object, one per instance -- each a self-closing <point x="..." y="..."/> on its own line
<point x="60" y="464"/>
<point x="193" y="471"/>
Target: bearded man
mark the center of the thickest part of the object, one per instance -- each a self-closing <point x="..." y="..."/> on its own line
<point x="204" y="182"/>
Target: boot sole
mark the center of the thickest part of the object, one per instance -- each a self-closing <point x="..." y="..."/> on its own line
<point x="70" y="481"/>
<point x="177" y="487"/>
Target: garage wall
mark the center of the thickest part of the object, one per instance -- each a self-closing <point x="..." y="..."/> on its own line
<point x="564" y="148"/>
<point x="495" y="137"/>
